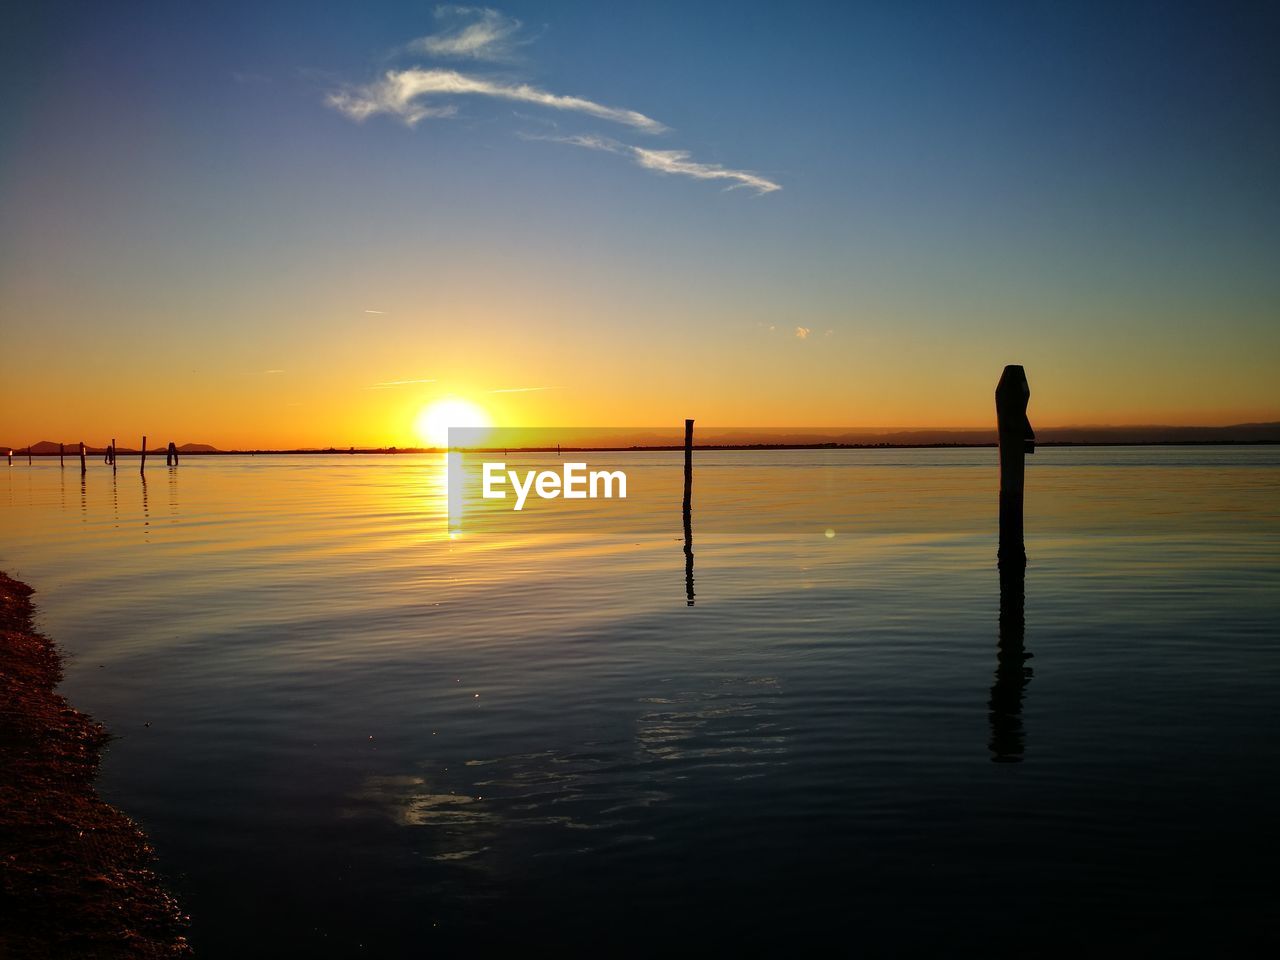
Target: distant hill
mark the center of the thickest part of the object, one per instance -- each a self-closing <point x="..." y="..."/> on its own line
<point x="50" y="448"/>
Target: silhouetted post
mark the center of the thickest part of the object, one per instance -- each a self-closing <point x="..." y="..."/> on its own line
<point x="84" y="467"/>
<point x="142" y="464"/>
<point x="61" y="454"/>
<point x="1016" y="440"/>
<point x="11" y="457"/>
<point x="171" y="456"/>
<point x="113" y="451"/>
<point x="28" y="455"/>
<point x="688" y="516"/>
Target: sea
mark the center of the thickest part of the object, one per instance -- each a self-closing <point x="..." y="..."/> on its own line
<point x="360" y="710"/>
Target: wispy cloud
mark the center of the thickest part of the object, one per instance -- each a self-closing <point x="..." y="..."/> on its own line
<point x="803" y="332"/>
<point x="472" y="33"/>
<point x="273" y="371"/>
<point x="389" y="384"/>
<point x="669" y="161"/>
<point x="377" y="313"/>
<point x="403" y="94"/>
<point x="521" y="389"/>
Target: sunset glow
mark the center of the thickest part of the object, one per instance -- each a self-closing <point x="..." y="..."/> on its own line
<point x="433" y="424"/>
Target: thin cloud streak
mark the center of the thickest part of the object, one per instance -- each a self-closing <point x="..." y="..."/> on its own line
<point x="668" y="161"/>
<point x="377" y="313"/>
<point x="489" y="35"/>
<point x="401" y="93"/>
<point x="521" y="389"/>
<point x="389" y="384"/>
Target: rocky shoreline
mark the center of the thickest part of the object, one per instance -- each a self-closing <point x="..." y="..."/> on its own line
<point x="77" y="876"/>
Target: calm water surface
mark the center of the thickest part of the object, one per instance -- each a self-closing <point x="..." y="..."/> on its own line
<point x="356" y="721"/>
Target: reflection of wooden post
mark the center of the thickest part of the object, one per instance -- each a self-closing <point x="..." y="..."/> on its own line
<point x="84" y="467"/>
<point x="688" y="505"/>
<point x="1016" y="440"/>
<point x="142" y="464"/>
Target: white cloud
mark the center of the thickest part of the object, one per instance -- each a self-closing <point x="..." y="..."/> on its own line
<point x="669" y="161"/>
<point x="803" y="332"/>
<point x="389" y="384"/>
<point x="379" y="313"/>
<point x="473" y="33"/>
<point x="402" y="93"/>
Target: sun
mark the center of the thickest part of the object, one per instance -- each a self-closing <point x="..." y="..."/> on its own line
<point x="433" y="423"/>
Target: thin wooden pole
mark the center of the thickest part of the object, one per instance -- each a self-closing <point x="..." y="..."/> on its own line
<point x="142" y="464"/>
<point x="84" y="467"/>
<point x="1017" y="439"/>
<point x="11" y="457"/>
<point x="28" y="455"/>
<point x="61" y="455"/>
<point x="688" y="512"/>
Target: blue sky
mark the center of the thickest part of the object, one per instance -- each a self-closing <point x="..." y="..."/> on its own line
<point x="930" y="190"/>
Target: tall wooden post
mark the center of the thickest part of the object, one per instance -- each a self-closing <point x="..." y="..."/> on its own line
<point x="1017" y="439"/>
<point x="142" y="463"/>
<point x="84" y="467"/>
<point x="62" y="451"/>
<point x="688" y="515"/>
<point x="113" y="451"/>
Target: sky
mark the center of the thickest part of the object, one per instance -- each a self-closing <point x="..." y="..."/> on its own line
<point x="302" y="224"/>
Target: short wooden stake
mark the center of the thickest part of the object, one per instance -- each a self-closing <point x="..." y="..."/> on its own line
<point x="84" y="467"/>
<point x="61" y="454"/>
<point x="142" y="463"/>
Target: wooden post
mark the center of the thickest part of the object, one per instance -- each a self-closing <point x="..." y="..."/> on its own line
<point x="113" y="451"/>
<point x="171" y="455"/>
<point x="11" y="457"/>
<point x="688" y="515"/>
<point x="142" y="464"/>
<point x="61" y="454"/>
<point x="1016" y="440"/>
<point x="28" y="455"/>
<point x="84" y="467"/>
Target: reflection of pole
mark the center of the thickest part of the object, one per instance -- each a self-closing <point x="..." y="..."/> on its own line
<point x="1012" y="674"/>
<point x="688" y="504"/>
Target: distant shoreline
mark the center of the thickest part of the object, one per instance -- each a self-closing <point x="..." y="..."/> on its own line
<point x="701" y="447"/>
